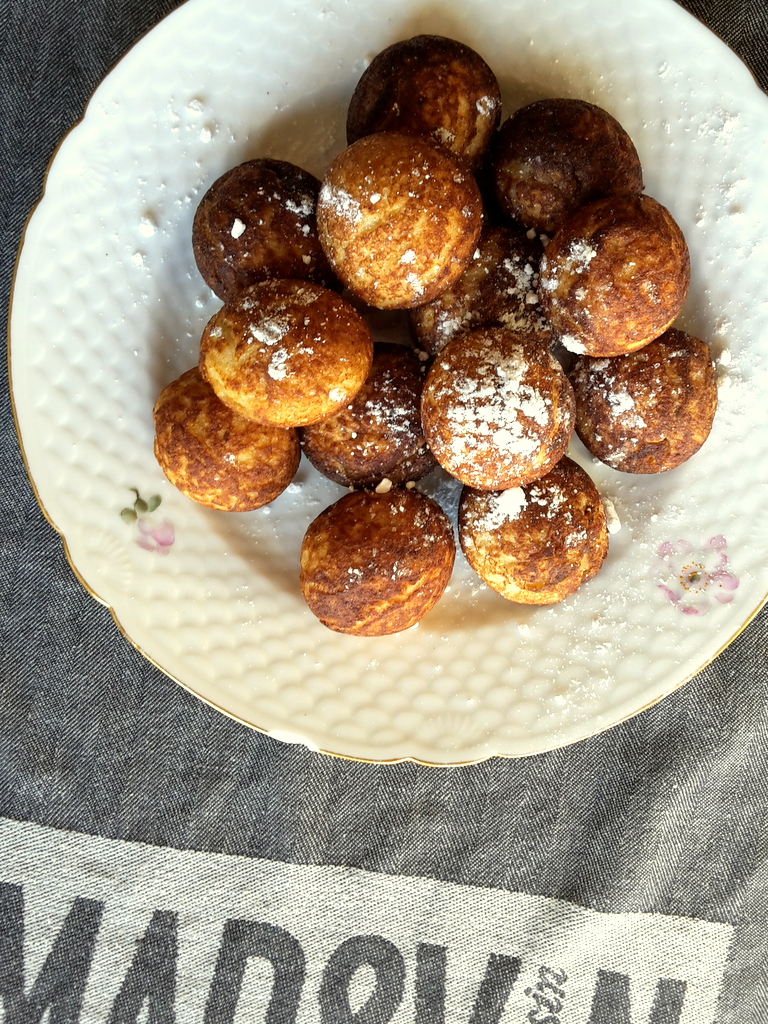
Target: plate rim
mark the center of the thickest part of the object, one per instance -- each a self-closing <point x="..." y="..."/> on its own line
<point x="736" y="61"/>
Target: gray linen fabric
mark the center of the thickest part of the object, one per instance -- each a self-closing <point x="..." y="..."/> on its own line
<point x="99" y="751"/>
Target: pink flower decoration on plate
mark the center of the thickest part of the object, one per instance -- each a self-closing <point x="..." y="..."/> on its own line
<point x="693" y="578"/>
<point x="154" y="532"/>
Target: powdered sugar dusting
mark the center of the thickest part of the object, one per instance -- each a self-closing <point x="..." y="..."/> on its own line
<point x="720" y="124"/>
<point x="501" y="285"/>
<point x="415" y="282"/>
<point x="575" y="260"/>
<point x="623" y="406"/>
<point x="494" y="406"/>
<point x="621" y="401"/>
<point x="341" y="203"/>
<point x="277" y="368"/>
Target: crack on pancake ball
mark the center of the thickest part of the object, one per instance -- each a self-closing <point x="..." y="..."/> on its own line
<point x="286" y="353"/>
<point x="555" y="155"/>
<point x="374" y="564"/>
<point x="538" y="543"/>
<point x="429" y="85"/>
<point x="497" y="409"/>
<point x="615" y="276"/>
<point x="215" y="456"/>
<point x="649" y="411"/>
<point x="398" y="218"/>
<point x="257" y="222"/>
<point x="378" y="436"/>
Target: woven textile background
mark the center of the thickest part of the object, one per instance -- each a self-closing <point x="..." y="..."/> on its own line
<point x="663" y="815"/>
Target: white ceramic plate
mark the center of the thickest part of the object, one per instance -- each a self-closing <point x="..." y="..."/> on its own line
<point x="108" y="307"/>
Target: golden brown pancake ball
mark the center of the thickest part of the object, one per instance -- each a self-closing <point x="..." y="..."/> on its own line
<point x="649" y="411"/>
<point x="215" y="456"/>
<point x="429" y="85"/>
<point x="615" y="276"/>
<point x="256" y="222"/>
<point x="499" y="286"/>
<point x="374" y="564"/>
<point x="497" y="409"/>
<point x="538" y="543"/>
<point x="286" y="353"/>
<point x="378" y="436"/>
<point x="398" y="218"/>
<point x="555" y="155"/>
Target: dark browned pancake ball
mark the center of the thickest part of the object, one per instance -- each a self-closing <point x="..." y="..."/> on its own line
<point x="538" y="543"/>
<point x="498" y="287"/>
<point x="398" y="218"/>
<point x="429" y="85"/>
<point x="255" y="222"/>
<point x="215" y="456"/>
<point x="497" y="409"/>
<point x="553" y="156"/>
<point x="378" y="436"/>
<point x="374" y="564"/>
<point x="649" y="411"/>
<point x="615" y="276"/>
<point x="286" y="353"/>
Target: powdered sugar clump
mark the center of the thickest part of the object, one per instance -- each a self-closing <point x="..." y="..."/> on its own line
<point x="147" y="226"/>
<point x="269" y="332"/>
<point x="444" y="135"/>
<point x="573" y="344"/>
<point x="486" y="105"/>
<point x="305" y="208"/>
<point x="612" y="520"/>
<point x="580" y="255"/>
<point x="501" y="507"/>
<point x="621" y="401"/>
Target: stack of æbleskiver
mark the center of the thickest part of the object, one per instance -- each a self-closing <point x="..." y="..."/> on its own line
<point x="541" y="284"/>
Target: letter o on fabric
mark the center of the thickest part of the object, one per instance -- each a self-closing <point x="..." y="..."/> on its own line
<point x="385" y="959"/>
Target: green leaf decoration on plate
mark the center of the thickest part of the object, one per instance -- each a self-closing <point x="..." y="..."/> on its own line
<point x="154" y="533"/>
